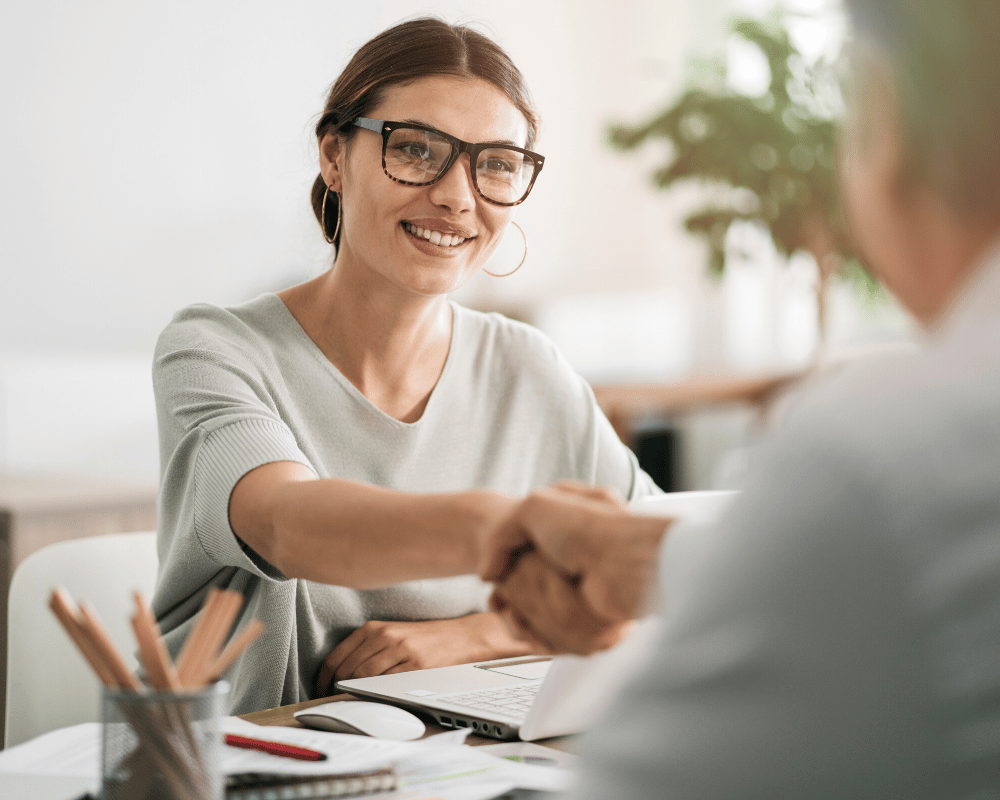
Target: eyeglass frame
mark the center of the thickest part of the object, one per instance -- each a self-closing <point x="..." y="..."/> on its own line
<point x="458" y="146"/>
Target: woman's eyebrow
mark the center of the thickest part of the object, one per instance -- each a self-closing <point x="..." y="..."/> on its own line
<point x="488" y="141"/>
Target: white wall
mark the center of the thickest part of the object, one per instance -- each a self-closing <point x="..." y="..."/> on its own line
<point x="157" y="155"/>
<point x="160" y="154"/>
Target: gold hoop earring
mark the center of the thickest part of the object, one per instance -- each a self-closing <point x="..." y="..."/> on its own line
<point x="322" y="213"/>
<point x="505" y="274"/>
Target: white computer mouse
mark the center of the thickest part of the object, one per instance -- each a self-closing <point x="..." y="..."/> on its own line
<point x="368" y="719"/>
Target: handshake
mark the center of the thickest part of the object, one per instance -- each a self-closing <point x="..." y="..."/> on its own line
<point x="572" y="568"/>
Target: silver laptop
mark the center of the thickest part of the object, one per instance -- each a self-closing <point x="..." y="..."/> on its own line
<point x="535" y="697"/>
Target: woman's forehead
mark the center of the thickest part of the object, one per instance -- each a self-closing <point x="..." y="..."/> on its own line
<point x="469" y="108"/>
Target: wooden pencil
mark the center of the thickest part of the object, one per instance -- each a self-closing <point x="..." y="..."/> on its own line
<point x="194" y="637"/>
<point x="215" y="637"/>
<point x="157" y="651"/>
<point x="64" y="608"/>
<point x="235" y="648"/>
<point x="91" y="623"/>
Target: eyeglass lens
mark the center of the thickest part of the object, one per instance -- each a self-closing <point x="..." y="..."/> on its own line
<point x="417" y="156"/>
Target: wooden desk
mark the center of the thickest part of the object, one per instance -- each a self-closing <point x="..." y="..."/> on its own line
<point x="284" y="716"/>
<point x="36" y="511"/>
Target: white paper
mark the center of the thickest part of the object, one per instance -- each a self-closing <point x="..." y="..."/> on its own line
<point x="428" y="768"/>
<point x="531" y="753"/>
<point x="454" y="736"/>
<point x="72" y="752"/>
<point x="464" y="773"/>
<point x="46" y="787"/>
<point x="345" y="752"/>
<point x="431" y="767"/>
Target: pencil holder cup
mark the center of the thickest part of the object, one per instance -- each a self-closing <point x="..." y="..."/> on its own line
<point x="163" y="745"/>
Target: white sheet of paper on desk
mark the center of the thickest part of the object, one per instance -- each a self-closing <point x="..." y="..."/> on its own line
<point x="463" y="773"/>
<point x="345" y="752"/>
<point x="530" y="753"/>
<point x="74" y="751"/>
<point x="427" y="767"/>
<point x="447" y="771"/>
<point x="454" y="736"/>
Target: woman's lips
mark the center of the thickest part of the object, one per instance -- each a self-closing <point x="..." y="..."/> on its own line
<point x="437" y="237"/>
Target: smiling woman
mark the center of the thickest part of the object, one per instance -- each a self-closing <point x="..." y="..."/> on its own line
<point x="340" y="451"/>
<point x="434" y="207"/>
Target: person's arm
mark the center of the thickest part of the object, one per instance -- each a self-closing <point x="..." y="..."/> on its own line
<point x="356" y="535"/>
<point x="790" y="665"/>
<point x="607" y="555"/>
<point x="382" y="647"/>
<point x="361" y="536"/>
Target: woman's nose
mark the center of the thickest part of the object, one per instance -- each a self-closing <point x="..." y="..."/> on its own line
<point x="455" y="190"/>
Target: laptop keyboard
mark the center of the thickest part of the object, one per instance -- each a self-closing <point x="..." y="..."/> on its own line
<point x="511" y="701"/>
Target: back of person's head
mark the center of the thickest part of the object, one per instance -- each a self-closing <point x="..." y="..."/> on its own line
<point x="404" y="53"/>
<point x="944" y="60"/>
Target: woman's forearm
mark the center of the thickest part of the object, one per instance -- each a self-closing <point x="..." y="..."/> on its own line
<point x="365" y="536"/>
<point x="352" y="534"/>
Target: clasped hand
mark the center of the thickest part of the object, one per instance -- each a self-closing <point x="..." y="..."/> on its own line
<point x="572" y="567"/>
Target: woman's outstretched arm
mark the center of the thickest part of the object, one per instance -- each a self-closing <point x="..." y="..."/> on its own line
<point x="357" y="535"/>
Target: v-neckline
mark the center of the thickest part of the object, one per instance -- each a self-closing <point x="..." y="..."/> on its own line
<point x="320" y="356"/>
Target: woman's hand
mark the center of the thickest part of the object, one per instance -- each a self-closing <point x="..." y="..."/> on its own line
<point x="589" y="540"/>
<point x="549" y="612"/>
<point x="381" y="648"/>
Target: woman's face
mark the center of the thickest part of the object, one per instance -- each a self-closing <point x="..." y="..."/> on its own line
<point x="380" y="216"/>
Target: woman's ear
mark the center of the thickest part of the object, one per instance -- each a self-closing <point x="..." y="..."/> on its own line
<point x="331" y="158"/>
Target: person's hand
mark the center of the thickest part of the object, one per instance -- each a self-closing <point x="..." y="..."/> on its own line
<point x="545" y="609"/>
<point x="382" y="648"/>
<point x="586" y="535"/>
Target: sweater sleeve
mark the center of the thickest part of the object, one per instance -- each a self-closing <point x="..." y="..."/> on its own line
<point x="218" y="421"/>
<point x="615" y="465"/>
<point x="606" y="461"/>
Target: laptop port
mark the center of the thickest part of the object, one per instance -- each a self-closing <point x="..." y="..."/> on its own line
<point x="497" y="731"/>
<point x="461" y="723"/>
<point x="446" y="721"/>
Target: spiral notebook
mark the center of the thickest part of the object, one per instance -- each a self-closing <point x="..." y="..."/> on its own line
<point x="263" y="786"/>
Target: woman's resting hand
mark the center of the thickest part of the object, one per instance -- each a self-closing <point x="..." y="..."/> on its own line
<point x="381" y="648"/>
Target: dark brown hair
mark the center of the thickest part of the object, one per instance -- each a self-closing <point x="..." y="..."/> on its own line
<point x="402" y="54"/>
<point x="943" y="55"/>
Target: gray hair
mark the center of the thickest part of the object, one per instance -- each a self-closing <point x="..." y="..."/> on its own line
<point x="944" y="58"/>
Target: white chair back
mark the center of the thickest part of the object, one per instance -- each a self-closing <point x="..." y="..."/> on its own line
<point x="49" y="685"/>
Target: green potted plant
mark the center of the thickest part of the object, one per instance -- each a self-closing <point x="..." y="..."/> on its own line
<point x="775" y="151"/>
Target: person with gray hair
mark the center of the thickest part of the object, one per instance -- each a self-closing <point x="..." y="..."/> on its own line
<point x="837" y="632"/>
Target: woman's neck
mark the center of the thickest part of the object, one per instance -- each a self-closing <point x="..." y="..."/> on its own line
<point x="390" y="344"/>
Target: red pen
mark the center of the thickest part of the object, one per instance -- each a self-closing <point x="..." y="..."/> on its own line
<point x="275" y="748"/>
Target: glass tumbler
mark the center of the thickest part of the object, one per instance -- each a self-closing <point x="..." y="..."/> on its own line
<point x="163" y="745"/>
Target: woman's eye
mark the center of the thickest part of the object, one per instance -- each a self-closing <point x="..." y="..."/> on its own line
<point x="412" y="151"/>
<point x="499" y="165"/>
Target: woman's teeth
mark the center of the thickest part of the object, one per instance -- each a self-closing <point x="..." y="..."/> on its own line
<point x="435" y="237"/>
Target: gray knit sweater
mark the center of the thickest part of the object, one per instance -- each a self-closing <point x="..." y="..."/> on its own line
<point x="240" y="387"/>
